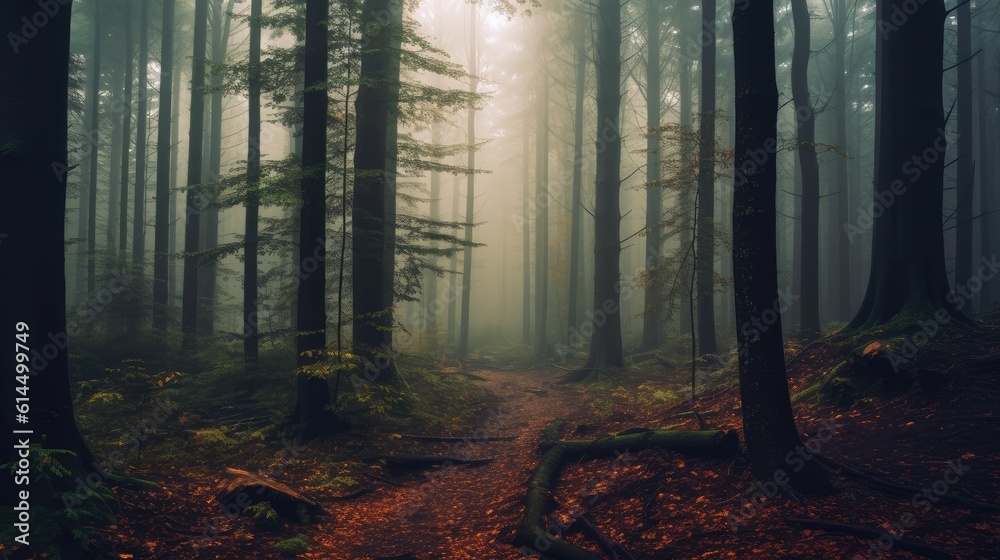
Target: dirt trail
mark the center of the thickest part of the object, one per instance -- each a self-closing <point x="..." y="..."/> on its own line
<point x="458" y="512"/>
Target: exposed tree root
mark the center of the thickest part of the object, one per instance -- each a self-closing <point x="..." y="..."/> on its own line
<point x="903" y="491"/>
<point x="871" y="533"/>
<point x="532" y="534"/>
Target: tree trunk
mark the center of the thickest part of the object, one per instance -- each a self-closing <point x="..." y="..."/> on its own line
<point x="431" y="277"/>
<point x="250" y="310"/>
<point x="33" y="132"/>
<point x="768" y="425"/>
<point x="908" y="280"/>
<point x="161" y="228"/>
<point x="115" y="164"/>
<point x="453" y="268"/>
<point x="139" y="202"/>
<point x="805" y="121"/>
<point x="195" y="197"/>
<point x="844" y="304"/>
<point x="312" y="398"/>
<point x="576" y="200"/>
<point x="525" y="236"/>
<point x="470" y="191"/>
<point x="606" y="342"/>
<point x="965" y="183"/>
<point x="542" y="217"/>
<point x="374" y="194"/>
<point x="654" y="192"/>
<point x="126" y="136"/>
<point x="705" y="225"/>
<point x="986" y="197"/>
<point x="686" y="93"/>
<point x="94" y="143"/>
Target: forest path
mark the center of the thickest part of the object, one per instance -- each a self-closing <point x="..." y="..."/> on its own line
<point x="458" y="512"/>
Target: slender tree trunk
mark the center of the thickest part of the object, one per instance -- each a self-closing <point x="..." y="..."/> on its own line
<point x="94" y="143"/>
<point x="453" y="268"/>
<point x="705" y="226"/>
<point x="768" y="425"/>
<point x="805" y="121"/>
<point x="844" y="303"/>
<point x="141" y="117"/>
<point x="175" y="200"/>
<point x="161" y="231"/>
<point x="312" y="398"/>
<point x="986" y="197"/>
<point x="908" y="280"/>
<point x="250" y="309"/>
<point x="576" y="199"/>
<point x="654" y="192"/>
<point x="686" y="203"/>
<point x="195" y="197"/>
<point x="525" y="236"/>
<point x="126" y="135"/>
<point x="470" y="191"/>
<point x="115" y="165"/>
<point x="374" y="193"/>
<point x="606" y="342"/>
<point x="542" y="217"/>
<point x="431" y="277"/>
<point x="966" y="158"/>
<point x="33" y="133"/>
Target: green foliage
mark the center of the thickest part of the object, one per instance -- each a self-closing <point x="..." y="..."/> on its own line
<point x="292" y="546"/>
<point x="65" y="508"/>
<point x="263" y="515"/>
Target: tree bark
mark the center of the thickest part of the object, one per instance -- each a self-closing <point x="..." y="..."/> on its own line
<point x="141" y="118"/>
<point x="470" y="191"/>
<point x="768" y="425"/>
<point x="987" y="202"/>
<point x="312" y="398"/>
<point x="126" y="135"/>
<point x="542" y="216"/>
<point x="94" y="144"/>
<point x="805" y="120"/>
<point x="705" y="225"/>
<point x="161" y="228"/>
<point x="525" y="236"/>
<point x="606" y="343"/>
<point x="654" y="192"/>
<point x="576" y="198"/>
<point x="250" y="309"/>
<point x="33" y="133"/>
<point x="965" y="183"/>
<point x="195" y="197"/>
<point x="844" y="303"/>
<point x="908" y="280"/>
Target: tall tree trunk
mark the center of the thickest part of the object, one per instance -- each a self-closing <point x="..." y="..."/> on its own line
<point x="453" y="268"/>
<point x="525" y="236"/>
<point x="312" y="397"/>
<point x="194" y="199"/>
<point x="805" y="121"/>
<point x="844" y="304"/>
<point x="33" y="132"/>
<point x="768" y="425"/>
<point x="208" y="271"/>
<point x="686" y="93"/>
<point x="142" y="117"/>
<point x="654" y="192"/>
<point x="114" y="171"/>
<point x="94" y="143"/>
<point x="470" y="191"/>
<point x="126" y="135"/>
<point x="576" y="199"/>
<point x="987" y="202"/>
<point x="705" y="226"/>
<point x="966" y="159"/>
<point x="173" y="286"/>
<point x="606" y="343"/>
<point x="250" y="310"/>
<point x="374" y="192"/>
<point x="542" y="217"/>
<point x="908" y="280"/>
<point x="161" y="228"/>
<point x="431" y="277"/>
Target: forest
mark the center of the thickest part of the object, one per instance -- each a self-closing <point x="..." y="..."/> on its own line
<point x="499" y="279"/>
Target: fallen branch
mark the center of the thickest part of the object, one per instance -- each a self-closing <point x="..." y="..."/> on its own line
<point x="463" y="439"/>
<point x="701" y="443"/>
<point x="870" y="533"/>
<point x="402" y="462"/>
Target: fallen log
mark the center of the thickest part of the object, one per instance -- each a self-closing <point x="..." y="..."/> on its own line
<point x="245" y="488"/>
<point x="712" y="444"/>
<point x="421" y="462"/>
<point x="463" y="439"/>
<point x="905" y="545"/>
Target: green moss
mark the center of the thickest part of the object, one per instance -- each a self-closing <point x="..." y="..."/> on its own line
<point x="293" y="546"/>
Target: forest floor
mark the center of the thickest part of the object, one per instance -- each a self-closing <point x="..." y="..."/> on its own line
<point x="653" y="503"/>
